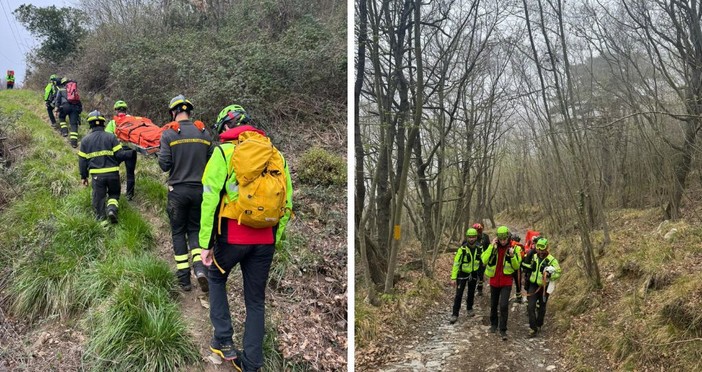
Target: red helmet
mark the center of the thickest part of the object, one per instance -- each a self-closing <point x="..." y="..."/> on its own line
<point x="478" y="227"/>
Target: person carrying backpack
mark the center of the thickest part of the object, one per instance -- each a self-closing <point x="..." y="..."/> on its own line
<point x="49" y="95"/>
<point x="184" y="150"/>
<point x="466" y="266"/>
<point x="98" y="157"/>
<point x="543" y="267"/>
<point x="67" y="103"/>
<point x="244" y="168"/>
<point x="501" y="260"/>
<point x="120" y="108"/>
<point x="515" y="240"/>
<point x="10" y="78"/>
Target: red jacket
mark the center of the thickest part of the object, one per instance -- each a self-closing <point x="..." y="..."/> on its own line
<point x="500" y="279"/>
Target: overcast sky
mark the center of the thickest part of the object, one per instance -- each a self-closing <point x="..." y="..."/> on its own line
<point x="15" y="40"/>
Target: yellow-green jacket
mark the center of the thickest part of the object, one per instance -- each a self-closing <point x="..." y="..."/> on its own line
<point x="467" y="260"/>
<point x="215" y="178"/>
<point x="537" y="266"/>
<point x="49" y="92"/>
<point x="489" y="258"/>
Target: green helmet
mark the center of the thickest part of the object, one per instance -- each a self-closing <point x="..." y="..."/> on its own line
<point x="96" y="118"/>
<point x="542" y="244"/>
<point x="53" y="77"/>
<point x="120" y="105"/>
<point x="502" y="232"/>
<point x="180" y="104"/>
<point x="234" y="113"/>
<point x="472" y="233"/>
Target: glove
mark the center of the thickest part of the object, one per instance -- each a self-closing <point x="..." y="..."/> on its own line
<point x="550" y="269"/>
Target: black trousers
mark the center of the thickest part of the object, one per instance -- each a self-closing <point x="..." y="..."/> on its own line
<point x="499" y="296"/>
<point x="467" y="280"/>
<point x="184" y="214"/>
<point x="536" y="316"/>
<point x="73" y="113"/>
<point x="481" y="277"/>
<point x="106" y="190"/>
<point x="50" y="112"/>
<point x="255" y="261"/>
<point x="130" y="164"/>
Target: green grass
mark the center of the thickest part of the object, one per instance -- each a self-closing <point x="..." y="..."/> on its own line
<point x="62" y="262"/>
<point x="139" y="329"/>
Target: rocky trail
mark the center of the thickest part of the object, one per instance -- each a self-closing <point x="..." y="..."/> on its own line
<point x="468" y="345"/>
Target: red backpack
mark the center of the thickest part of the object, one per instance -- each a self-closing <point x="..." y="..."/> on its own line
<point x="72" y="92"/>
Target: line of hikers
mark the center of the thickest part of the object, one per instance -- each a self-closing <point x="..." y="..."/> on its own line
<point x="504" y="261"/>
<point x="228" y="202"/>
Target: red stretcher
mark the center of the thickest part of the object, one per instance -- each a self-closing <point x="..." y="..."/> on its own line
<point x="139" y="133"/>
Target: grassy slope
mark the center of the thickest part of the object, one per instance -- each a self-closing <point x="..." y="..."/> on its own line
<point x="647" y="315"/>
<point x="120" y="294"/>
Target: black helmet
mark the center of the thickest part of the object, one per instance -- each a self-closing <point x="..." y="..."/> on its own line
<point x="95" y="118"/>
<point x="179" y="104"/>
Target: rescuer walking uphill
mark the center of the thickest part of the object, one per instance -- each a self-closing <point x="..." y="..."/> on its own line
<point x="98" y="157"/>
<point x="245" y="175"/>
<point x="185" y="148"/>
<point x="541" y="267"/>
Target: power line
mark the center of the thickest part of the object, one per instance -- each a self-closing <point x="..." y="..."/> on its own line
<point x="14" y="22"/>
<point x="9" y="24"/>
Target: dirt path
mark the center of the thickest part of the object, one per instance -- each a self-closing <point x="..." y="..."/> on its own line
<point x="192" y="304"/>
<point x="440" y="346"/>
<point x="468" y="345"/>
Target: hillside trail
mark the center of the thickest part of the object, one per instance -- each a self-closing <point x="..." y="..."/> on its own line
<point x="194" y="305"/>
<point x="467" y="345"/>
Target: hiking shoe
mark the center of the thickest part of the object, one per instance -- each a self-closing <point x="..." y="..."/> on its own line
<point x="74" y="144"/>
<point x="493" y="329"/>
<point x="532" y="333"/>
<point x="470" y="313"/>
<point x="225" y="351"/>
<point x="202" y="280"/>
<point x="453" y="319"/>
<point x="112" y="216"/>
<point x="503" y="334"/>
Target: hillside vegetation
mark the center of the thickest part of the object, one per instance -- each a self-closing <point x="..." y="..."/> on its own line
<point x="77" y="296"/>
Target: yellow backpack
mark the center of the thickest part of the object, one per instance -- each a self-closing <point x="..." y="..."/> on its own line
<point x="260" y="175"/>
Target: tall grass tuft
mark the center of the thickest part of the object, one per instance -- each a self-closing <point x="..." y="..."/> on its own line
<point x="139" y="329"/>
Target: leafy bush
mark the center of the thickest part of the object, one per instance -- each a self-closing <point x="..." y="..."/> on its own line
<point x="320" y="167"/>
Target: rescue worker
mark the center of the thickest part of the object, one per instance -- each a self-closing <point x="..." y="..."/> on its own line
<point x="10" y="78"/>
<point x="49" y="95"/>
<point x="230" y="242"/>
<point x="184" y="151"/>
<point x="120" y="108"/>
<point x="501" y="260"/>
<point x="542" y="267"/>
<point x="466" y="265"/>
<point x="66" y="108"/>
<point x="484" y="242"/>
<point x="98" y="157"/>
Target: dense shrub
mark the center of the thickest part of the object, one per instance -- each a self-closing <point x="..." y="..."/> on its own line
<point x="320" y="167"/>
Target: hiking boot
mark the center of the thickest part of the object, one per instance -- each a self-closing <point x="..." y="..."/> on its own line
<point x="470" y="313"/>
<point x="532" y="333"/>
<point x="130" y="196"/>
<point x="64" y="132"/>
<point x="202" y="280"/>
<point x="519" y="300"/>
<point x="74" y="143"/>
<point x="453" y="319"/>
<point x="112" y="216"/>
<point x="493" y="329"/>
<point x="503" y="334"/>
<point x="184" y="282"/>
<point x="226" y="351"/>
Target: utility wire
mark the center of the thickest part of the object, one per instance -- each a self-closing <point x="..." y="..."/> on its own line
<point x="16" y="26"/>
<point x="9" y="24"/>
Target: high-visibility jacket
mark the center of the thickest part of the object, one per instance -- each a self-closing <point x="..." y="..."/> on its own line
<point x="537" y="265"/>
<point x="467" y="260"/>
<point x="50" y="91"/>
<point x="218" y="177"/>
<point x="509" y="266"/>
